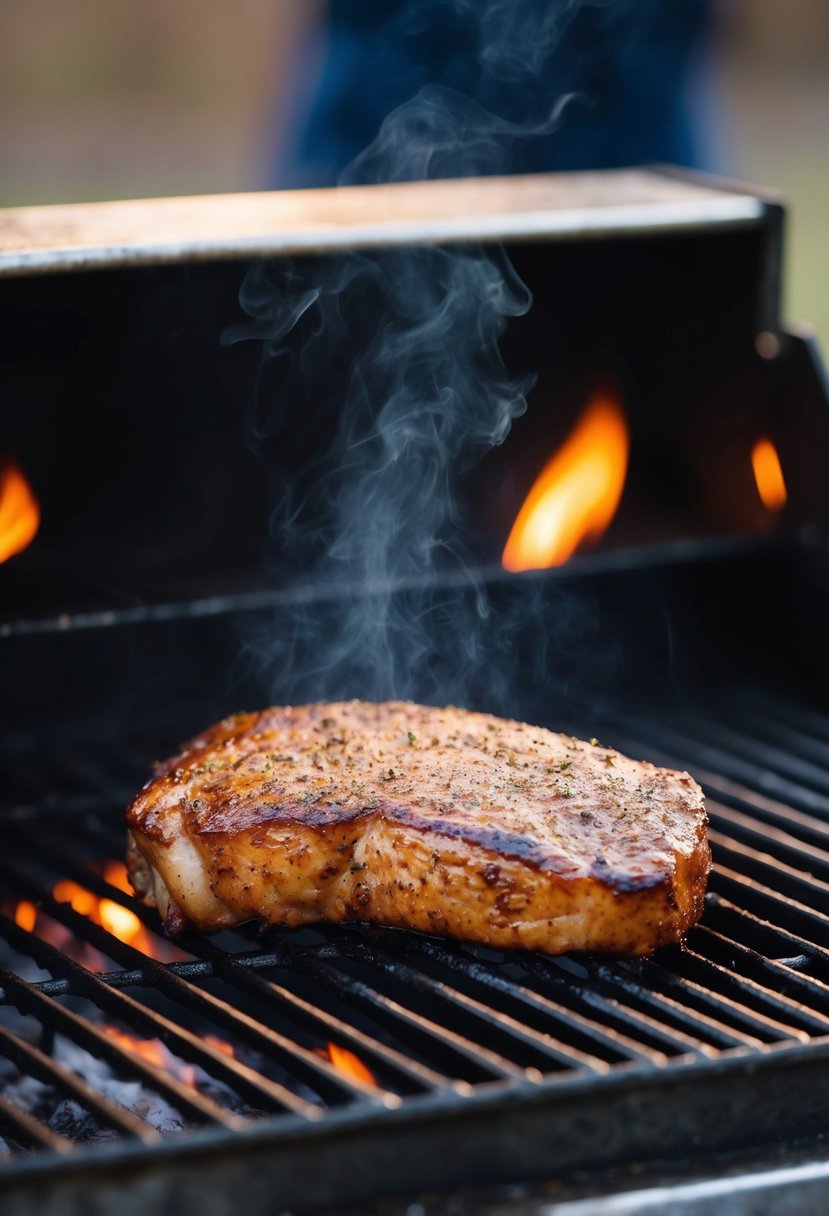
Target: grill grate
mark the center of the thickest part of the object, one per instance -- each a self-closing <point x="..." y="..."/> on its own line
<point x="250" y="1024"/>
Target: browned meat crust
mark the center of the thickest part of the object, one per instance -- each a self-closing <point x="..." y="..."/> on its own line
<point x="440" y="820"/>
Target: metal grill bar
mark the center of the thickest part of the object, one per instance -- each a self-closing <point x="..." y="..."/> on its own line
<point x="430" y="1016"/>
<point x="38" y="1064"/>
<point x="222" y="964"/>
<point x="89" y="1036"/>
<point x="654" y="987"/>
<point x="646" y="987"/>
<point x="246" y="1081"/>
<point x="472" y="1011"/>
<point x="773" y="871"/>
<point x="579" y="998"/>
<point x="768" y="904"/>
<point x="477" y="1061"/>
<point x="732" y="982"/>
<point x="600" y="1045"/>
<point x="767" y="938"/>
<point x="760" y="833"/>
<point x="697" y="995"/>
<point x="400" y="1066"/>
<point x="673" y="746"/>
<point x="726" y="951"/>
<point x="763" y="755"/>
<point x="604" y="1038"/>
<point x="568" y="1056"/>
<point x="772" y="710"/>
<point x="790" y="740"/>
<point x="26" y="1130"/>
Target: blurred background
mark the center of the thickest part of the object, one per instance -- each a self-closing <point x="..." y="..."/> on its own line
<point x="102" y="100"/>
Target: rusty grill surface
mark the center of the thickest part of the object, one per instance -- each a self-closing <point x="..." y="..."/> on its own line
<point x="249" y="1023"/>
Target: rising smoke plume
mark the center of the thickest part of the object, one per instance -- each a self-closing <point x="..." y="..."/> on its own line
<point x="397" y="609"/>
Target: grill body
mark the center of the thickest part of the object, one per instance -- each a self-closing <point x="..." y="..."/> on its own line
<point x="700" y="648"/>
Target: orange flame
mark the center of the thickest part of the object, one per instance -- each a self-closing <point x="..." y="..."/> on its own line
<point x="768" y="474"/>
<point x="348" y="1064"/>
<point x="218" y="1044"/>
<point x="115" y="872"/>
<point x="112" y="916"/>
<point x="121" y="922"/>
<point x="155" y="1052"/>
<point x="576" y="494"/>
<point x="65" y="891"/>
<point x="25" y="915"/>
<point x="19" y="512"/>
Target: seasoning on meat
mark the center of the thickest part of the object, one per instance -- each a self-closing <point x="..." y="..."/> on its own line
<point x="440" y="820"/>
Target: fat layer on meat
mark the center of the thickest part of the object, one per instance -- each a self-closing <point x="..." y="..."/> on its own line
<point x="440" y="820"/>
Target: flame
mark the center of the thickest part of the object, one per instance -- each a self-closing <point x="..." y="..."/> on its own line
<point x="115" y="872"/>
<point x="121" y="922"/>
<point x="115" y="918"/>
<point x="218" y="1044"/>
<point x="25" y="915"/>
<point x="348" y="1064"/>
<point x="575" y="496"/>
<point x="156" y="1052"/>
<point x="19" y="512"/>
<point x="768" y="474"/>
<point x="79" y="899"/>
<point x="112" y="916"/>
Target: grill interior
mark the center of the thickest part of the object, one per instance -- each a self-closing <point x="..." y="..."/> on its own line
<point x="247" y="1020"/>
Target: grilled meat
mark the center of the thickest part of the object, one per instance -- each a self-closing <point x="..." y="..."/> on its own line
<point x="440" y="820"/>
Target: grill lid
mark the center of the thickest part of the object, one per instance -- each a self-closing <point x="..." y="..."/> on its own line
<point x="561" y="206"/>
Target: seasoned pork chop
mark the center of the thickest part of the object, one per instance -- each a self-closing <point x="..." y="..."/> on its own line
<point x="441" y="820"/>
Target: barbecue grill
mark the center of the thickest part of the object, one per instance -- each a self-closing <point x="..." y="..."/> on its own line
<point x="293" y="1069"/>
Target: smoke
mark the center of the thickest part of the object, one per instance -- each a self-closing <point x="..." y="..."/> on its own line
<point x="516" y="37"/>
<point x="426" y="396"/>
<point x="496" y="89"/>
<point x="394" y="605"/>
<point x="442" y="133"/>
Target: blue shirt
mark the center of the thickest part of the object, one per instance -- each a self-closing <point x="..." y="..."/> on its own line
<point x="470" y="96"/>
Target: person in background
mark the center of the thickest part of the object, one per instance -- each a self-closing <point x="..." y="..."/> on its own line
<point x="522" y="85"/>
